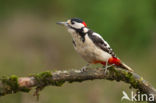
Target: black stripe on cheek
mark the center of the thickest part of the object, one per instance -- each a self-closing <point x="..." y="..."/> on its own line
<point x="80" y="32"/>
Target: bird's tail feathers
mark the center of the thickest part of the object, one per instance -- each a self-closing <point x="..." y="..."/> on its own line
<point x="124" y="66"/>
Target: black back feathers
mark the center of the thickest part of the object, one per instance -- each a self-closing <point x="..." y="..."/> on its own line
<point x="100" y="43"/>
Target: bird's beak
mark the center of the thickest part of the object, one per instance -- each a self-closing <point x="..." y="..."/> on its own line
<point x="62" y="23"/>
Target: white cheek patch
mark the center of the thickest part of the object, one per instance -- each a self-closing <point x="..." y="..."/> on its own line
<point x="98" y="35"/>
<point x="77" y="25"/>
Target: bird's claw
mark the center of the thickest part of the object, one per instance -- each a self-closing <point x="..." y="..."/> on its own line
<point x="105" y="70"/>
<point x="84" y="69"/>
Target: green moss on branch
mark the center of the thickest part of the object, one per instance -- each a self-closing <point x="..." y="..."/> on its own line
<point x="10" y="85"/>
<point x="45" y="78"/>
<point x="14" y="84"/>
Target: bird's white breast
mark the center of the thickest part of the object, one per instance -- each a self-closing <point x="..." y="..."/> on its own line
<point x="87" y="49"/>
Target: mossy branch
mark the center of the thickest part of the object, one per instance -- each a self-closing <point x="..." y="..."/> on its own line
<point x="15" y="84"/>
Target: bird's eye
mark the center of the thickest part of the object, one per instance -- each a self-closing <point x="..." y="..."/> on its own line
<point x="72" y="22"/>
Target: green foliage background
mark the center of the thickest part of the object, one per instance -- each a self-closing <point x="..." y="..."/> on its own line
<point x="31" y="42"/>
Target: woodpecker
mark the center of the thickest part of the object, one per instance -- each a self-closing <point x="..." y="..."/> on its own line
<point x="90" y="45"/>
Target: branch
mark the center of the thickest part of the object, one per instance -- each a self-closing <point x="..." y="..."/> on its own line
<point x="14" y="84"/>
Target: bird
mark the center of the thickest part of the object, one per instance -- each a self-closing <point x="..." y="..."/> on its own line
<point x="91" y="46"/>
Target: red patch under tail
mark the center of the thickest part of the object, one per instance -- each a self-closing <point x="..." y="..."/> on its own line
<point x="118" y="63"/>
<point x="115" y="61"/>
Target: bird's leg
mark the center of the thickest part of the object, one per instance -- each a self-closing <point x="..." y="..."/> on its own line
<point x="106" y="66"/>
<point x="85" y="67"/>
<point x="110" y="65"/>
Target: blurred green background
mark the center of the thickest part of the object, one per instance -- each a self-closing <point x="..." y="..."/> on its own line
<point x="31" y="42"/>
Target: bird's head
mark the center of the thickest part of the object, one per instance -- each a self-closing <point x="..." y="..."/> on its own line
<point x="74" y="24"/>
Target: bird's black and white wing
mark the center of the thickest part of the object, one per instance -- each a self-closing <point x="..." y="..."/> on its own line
<point x="100" y="42"/>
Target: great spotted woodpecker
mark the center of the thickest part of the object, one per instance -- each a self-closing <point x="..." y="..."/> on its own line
<point x="90" y="45"/>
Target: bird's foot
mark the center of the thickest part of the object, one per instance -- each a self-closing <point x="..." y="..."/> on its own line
<point x="105" y="70"/>
<point x="84" y="68"/>
<point x="106" y="67"/>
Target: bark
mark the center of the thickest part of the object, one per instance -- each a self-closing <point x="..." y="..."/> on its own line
<point x="15" y="84"/>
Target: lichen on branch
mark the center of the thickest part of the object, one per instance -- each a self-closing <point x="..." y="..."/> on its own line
<point x="15" y="84"/>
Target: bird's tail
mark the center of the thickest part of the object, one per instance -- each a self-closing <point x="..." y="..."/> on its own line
<point x="124" y="66"/>
<point x="118" y="63"/>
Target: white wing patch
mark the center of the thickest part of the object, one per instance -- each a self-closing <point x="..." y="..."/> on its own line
<point x="98" y="35"/>
<point x="100" y="42"/>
